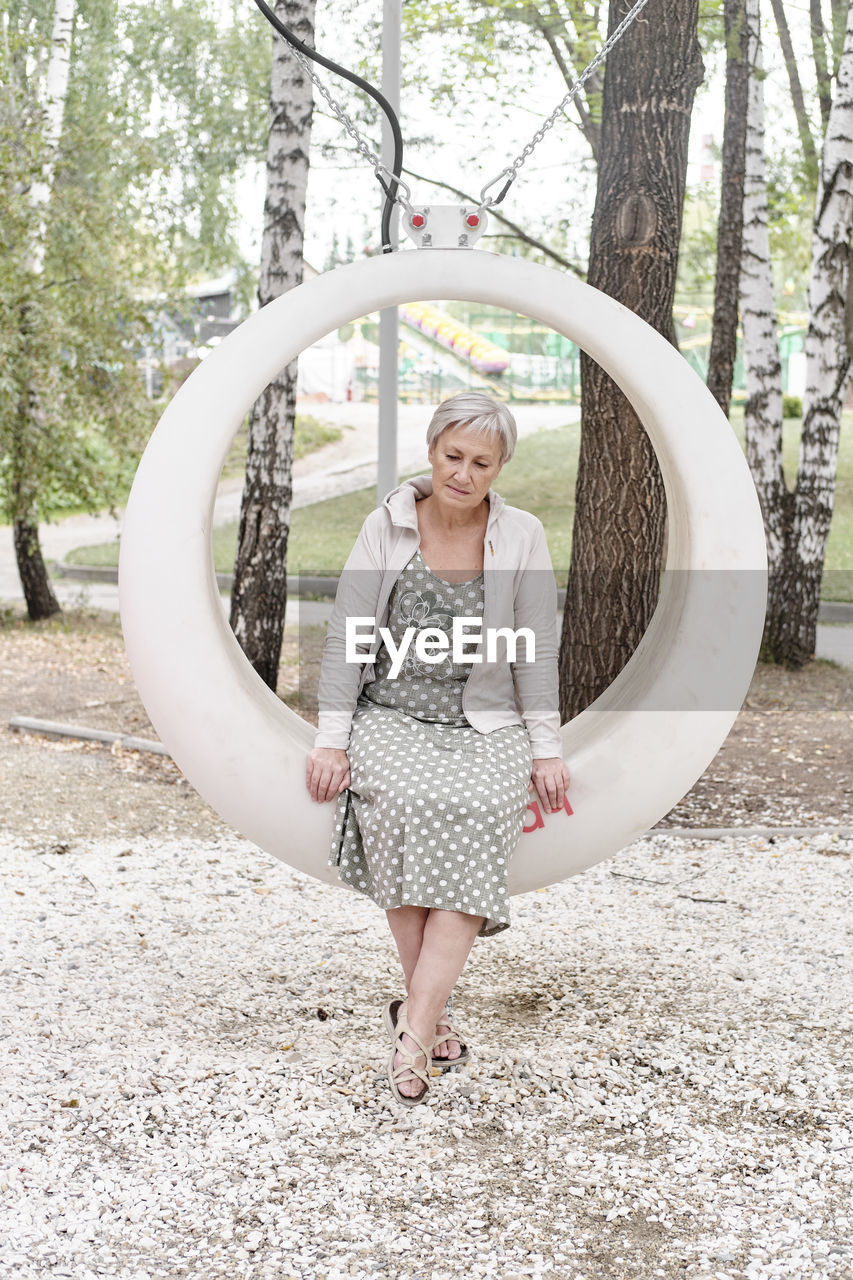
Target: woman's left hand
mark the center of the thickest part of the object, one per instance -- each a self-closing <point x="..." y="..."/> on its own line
<point x="550" y="777"/>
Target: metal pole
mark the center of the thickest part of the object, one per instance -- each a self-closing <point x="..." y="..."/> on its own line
<point x="389" y="327"/>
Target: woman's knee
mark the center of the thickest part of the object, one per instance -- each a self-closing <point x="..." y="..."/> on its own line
<point x="458" y="921"/>
<point x="406" y="915"/>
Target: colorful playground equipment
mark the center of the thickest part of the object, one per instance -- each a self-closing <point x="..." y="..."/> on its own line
<point x="484" y="355"/>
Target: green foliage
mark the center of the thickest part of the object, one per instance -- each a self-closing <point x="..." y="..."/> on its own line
<point x="491" y="37"/>
<point x="790" y="203"/>
<point x="790" y="208"/>
<point x="163" y="106"/>
<point x="698" y="247"/>
<point x="792" y="407"/>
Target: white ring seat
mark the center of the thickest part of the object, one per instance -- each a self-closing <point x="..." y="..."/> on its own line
<point x="633" y="754"/>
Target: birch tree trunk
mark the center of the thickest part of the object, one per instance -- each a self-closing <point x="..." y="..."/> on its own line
<point x="259" y="593"/>
<point x="55" y="93"/>
<point x="38" y="593"/>
<point x="650" y="81"/>
<point x="827" y="372"/>
<point x="721" y="360"/>
<point x="797" y="523"/>
<point x="763" y="410"/>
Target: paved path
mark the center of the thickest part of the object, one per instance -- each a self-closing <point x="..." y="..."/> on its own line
<point x="342" y="467"/>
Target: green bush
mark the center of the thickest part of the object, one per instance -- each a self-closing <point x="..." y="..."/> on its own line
<point x="792" y="407"/>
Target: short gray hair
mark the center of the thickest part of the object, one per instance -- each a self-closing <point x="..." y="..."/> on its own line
<point x="474" y="411"/>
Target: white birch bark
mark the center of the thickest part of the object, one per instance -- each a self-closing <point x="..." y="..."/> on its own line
<point x="763" y="410"/>
<point x="55" y="93"/>
<point x="259" y="592"/>
<point x="827" y="354"/>
<point x="797" y="523"/>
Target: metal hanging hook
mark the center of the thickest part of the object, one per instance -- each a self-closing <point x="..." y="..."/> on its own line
<point x="487" y="203"/>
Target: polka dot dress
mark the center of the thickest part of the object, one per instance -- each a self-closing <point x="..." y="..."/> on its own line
<point x="434" y="808"/>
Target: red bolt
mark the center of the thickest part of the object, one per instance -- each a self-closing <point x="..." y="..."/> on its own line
<point x="473" y="220"/>
<point x="418" y="219"/>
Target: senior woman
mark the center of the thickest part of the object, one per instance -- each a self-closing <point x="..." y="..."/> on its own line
<point x="430" y="751"/>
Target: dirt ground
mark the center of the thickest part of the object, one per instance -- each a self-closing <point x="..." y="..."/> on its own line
<point x="787" y="761"/>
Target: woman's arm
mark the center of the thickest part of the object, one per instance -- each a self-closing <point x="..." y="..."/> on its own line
<point x="357" y="596"/>
<point x="537" y="681"/>
<point x="549" y="778"/>
<point x="327" y="769"/>
<point x="537" y="684"/>
<point x="327" y="773"/>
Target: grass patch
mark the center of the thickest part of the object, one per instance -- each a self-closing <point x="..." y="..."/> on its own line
<point x="540" y="478"/>
<point x="77" y="620"/>
<point x="322" y="535"/>
<point x="309" y="434"/>
<point x="544" y="465"/>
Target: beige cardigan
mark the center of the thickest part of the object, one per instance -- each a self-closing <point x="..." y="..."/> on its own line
<point x="520" y="591"/>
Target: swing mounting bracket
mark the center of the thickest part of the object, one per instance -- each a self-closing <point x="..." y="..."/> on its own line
<point x="444" y="226"/>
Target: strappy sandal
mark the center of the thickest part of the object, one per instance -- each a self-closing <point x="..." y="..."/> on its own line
<point x="444" y="1064"/>
<point x="389" y="1014"/>
<point x="395" y="1073"/>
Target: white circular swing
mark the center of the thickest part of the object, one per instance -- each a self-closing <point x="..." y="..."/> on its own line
<point x="632" y="754"/>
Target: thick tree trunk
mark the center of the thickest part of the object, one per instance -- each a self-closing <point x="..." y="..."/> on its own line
<point x="763" y="411"/>
<point x="38" y="593"/>
<point x="650" y="81"/>
<point x="23" y="496"/>
<point x="721" y="361"/>
<point x="35" y="583"/>
<point x="259" y="593"/>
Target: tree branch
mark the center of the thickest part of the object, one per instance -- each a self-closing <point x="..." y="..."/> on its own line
<point x="588" y="128"/>
<point x="591" y="128"/>
<point x="824" y="84"/>
<point x="796" y="88"/>
<point x="721" y="357"/>
<point x="839" y="28"/>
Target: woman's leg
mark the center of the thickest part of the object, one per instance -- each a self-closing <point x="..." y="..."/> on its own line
<point x="407" y="926"/>
<point x="446" y="942"/>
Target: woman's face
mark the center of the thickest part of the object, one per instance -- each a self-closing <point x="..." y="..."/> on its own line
<point x="464" y="465"/>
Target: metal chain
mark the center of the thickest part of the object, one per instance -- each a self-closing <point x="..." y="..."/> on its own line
<point x="385" y="175"/>
<point x="362" y="145"/>
<point x="511" y="171"/>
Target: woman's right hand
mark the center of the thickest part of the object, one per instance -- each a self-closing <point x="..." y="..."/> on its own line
<point x="327" y="773"/>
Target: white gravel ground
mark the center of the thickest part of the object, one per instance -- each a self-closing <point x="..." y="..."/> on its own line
<point x="193" y="1072"/>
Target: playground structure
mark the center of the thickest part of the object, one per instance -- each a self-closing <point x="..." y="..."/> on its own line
<point x="446" y="346"/>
